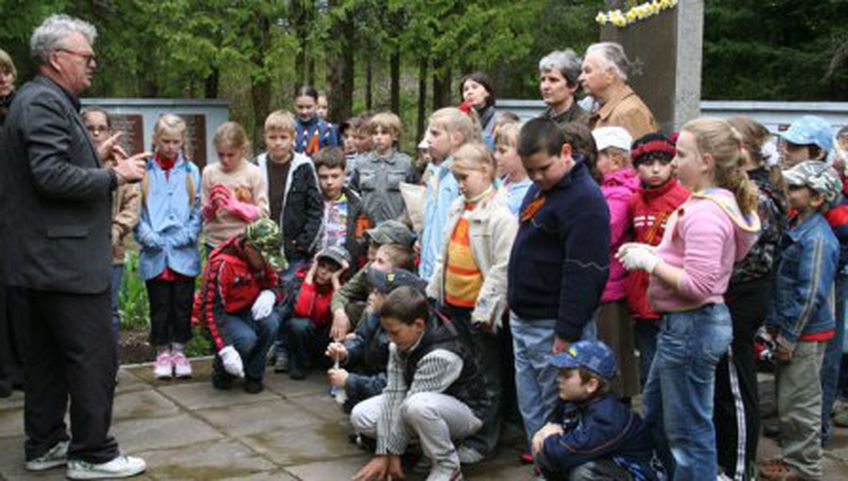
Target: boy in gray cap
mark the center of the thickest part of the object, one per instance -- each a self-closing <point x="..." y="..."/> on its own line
<point x="801" y="321"/>
<point x="349" y="301"/>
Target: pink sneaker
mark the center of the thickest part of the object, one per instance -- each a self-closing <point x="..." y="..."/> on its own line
<point x="163" y="368"/>
<point x="182" y="366"/>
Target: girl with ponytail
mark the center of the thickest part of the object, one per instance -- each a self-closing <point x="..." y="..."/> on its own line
<point x="689" y="274"/>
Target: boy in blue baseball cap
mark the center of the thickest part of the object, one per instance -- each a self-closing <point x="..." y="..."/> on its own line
<point x="591" y="434"/>
<point x="808" y="138"/>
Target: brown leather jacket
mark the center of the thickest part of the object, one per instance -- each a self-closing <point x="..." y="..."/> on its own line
<point x="126" y="207"/>
<point x="625" y="109"/>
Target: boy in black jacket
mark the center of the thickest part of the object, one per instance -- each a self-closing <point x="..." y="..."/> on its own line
<point x="592" y="436"/>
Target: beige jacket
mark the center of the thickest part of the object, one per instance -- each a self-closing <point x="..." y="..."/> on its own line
<point x="491" y="230"/>
<point x="625" y="109"/>
<point x="126" y="207"/>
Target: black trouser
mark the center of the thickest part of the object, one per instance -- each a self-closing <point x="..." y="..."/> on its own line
<point x="170" y="311"/>
<point x="13" y="321"/>
<point x="738" y="388"/>
<point x="486" y="348"/>
<point x="70" y="336"/>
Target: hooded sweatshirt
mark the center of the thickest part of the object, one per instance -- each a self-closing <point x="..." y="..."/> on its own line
<point x="705" y="236"/>
<point x="618" y="187"/>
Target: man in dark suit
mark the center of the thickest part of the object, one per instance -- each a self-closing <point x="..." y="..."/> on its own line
<point x="56" y="202"/>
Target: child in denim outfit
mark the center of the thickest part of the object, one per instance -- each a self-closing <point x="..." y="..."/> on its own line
<point x="801" y="320"/>
<point x="591" y="434"/>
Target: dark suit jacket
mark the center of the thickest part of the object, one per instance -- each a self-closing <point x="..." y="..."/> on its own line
<point x="56" y="199"/>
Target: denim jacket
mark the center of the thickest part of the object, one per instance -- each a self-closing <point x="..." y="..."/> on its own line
<point x="803" y="282"/>
<point x="169" y="225"/>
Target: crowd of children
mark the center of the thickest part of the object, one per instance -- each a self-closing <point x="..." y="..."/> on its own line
<point x="590" y="266"/>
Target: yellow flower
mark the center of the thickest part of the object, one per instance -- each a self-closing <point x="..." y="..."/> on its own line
<point x="601" y="18"/>
<point x="631" y="15"/>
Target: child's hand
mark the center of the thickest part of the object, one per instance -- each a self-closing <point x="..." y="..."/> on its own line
<point x="336" y="350"/>
<point x="338" y="377"/>
<point x="549" y="429"/>
<point x="341" y="325"/>
<point x="338" y="274"/>
<point x="783" y="353"/>
<point x="310" y="274"/>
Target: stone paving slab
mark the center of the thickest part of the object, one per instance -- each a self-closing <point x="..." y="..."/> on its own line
<point x="315" y="385"/>
<point x="226" y="459"/>
<point x="142" y="405"/>
<point x="11" y="422"/>
<point x="199" y="395"/>
<point x="162" y="433"/>
<point x="302" y="445"/>
<point x="264" y="416"/>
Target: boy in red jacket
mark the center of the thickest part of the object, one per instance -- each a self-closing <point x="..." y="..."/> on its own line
<point x="236" y="301"/>
<point x="308" y="330"/>
<point x="660" y="194"/>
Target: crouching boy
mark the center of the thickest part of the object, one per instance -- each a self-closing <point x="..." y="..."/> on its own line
<point x="591" y="434"/>
<point x="236" y="304"/>
<point x="434" y="392"/>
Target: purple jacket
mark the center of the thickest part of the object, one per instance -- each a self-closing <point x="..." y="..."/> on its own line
<point x="618" y="187"/>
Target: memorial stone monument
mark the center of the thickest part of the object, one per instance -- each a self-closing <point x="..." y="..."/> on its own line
<point x="666" y="50"/>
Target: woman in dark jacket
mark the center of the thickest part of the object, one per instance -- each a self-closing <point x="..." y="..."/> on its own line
<point x="476" y="89"/>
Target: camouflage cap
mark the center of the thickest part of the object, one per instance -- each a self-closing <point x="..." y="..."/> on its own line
<point x="818" y="176"/>
<point x="392" y="232"/>
<point x="265" y="236"/>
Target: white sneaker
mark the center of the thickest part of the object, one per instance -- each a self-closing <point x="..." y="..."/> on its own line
<point x="55" y="457"/>
<point x="182" y="366"/>
<point x="163" y="368"/>
<point x="442" y="473"/>
<point x="469" y="455"/>
<point x="120" y="467"/>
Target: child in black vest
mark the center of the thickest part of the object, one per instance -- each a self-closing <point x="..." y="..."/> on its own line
<point x="434" y="392"/>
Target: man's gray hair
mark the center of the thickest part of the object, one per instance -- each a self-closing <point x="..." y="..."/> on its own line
<point x="52" y="33"/>
<point x="612" y="57"/>
<point x="565" y="61"/>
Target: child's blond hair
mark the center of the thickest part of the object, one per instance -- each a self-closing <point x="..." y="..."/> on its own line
<point x="507" y="134"/>
<point x="171" y="123"/>
<point x="451" y="119"/>
<point x="6" y="64"/>
<point x="400" y="255"/>
<point x="280" y="120"/>
<point x="474" y="155"/>
<point x="718" y="138"/>
<point x="387" y="121"/>
<point x="232" y="135"/>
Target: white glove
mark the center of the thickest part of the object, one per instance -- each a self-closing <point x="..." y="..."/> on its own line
<point x="638" y="256"/>
<point x="232" y="361"/>
<point x="263" y="305"/>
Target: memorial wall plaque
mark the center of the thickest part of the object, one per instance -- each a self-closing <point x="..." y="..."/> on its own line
<point x="196" y="138"/>
<point x="132" y="125"/>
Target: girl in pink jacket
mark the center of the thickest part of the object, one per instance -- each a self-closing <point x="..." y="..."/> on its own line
<point x="690" y="271"/>
<point x="612" y="320"/>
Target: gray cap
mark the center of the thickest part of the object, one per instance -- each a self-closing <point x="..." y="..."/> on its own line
<point x="392" y="232"/>
<point x="337" y="254"/>
<point x="386" y="282"/>
<point x="818" y="176"/>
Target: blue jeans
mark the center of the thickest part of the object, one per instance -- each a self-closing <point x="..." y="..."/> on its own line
<point x="535" y="376"/>
<point x="286" y="278"/>
<point x="252" y="339"/>
<point x="833" y="358"/>
<point x="306" y="343"/>
<point x="678" y="396"/>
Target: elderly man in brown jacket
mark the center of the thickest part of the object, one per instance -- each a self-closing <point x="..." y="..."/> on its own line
<point x="605" y="78"/>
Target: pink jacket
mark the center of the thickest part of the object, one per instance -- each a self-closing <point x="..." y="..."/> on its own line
<point x="618" y="187"/>
<point x="704" y="237"/>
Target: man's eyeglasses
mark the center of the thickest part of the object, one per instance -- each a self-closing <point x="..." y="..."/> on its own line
<point x="90" y="58"/>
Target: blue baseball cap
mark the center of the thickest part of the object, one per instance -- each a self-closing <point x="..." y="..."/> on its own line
<point x="810" y="130"/>
<point x="594" y="356"/>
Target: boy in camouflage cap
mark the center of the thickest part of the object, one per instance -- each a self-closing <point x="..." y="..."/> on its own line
<point x="800" y="320"/>
<point x="236" y="301"/>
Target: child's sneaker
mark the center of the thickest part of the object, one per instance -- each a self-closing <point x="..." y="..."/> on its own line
<point x="120" y="467"/>
<point x="441" y="473"/>
<point x="163" y="368"/>
<point x="56" y="456"/>
<point x="182" y="366"/>
<point x="281" y="363"/>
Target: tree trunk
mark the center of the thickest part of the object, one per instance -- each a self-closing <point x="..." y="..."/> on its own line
<point x="369" y="78"/>
<point x="210" y="87"/>
<point x="395" y="81"/>
<point x="422" y="97"/>
<point x="441" y="85"/>
<point x="310" y="71"/>
<point x="339" y="69"/>
<point x="260" y="90"/>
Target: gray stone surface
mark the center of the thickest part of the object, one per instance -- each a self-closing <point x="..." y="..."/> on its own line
<point x="186" y="430"/>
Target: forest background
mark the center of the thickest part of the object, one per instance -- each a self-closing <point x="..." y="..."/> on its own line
<point x="408" y="55"/>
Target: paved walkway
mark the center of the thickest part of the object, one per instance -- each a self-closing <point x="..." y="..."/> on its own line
<point x="292" y="431"/>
